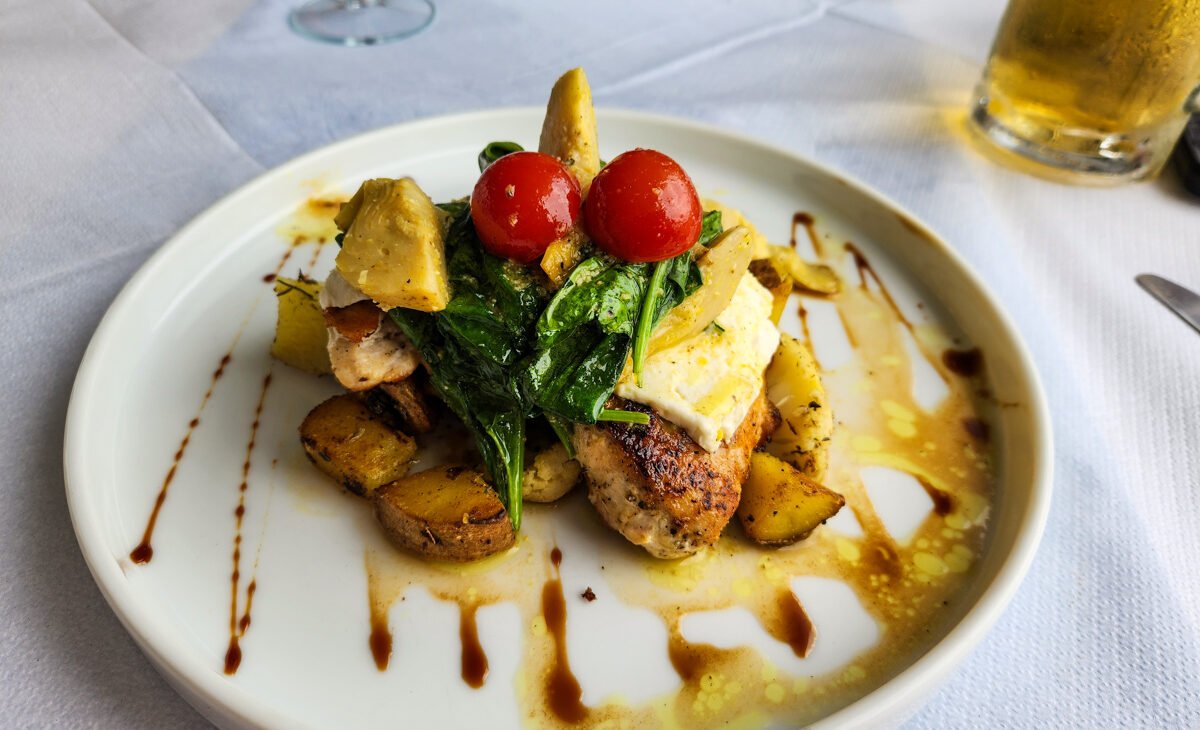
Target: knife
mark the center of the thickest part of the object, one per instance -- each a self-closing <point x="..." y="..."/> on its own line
<point x="1181" y="301"/>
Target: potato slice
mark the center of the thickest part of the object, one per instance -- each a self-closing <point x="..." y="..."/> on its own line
<point x="551" y="475"/>
<point x="816" y="278"/>
<point x="354" y="446"/>
<point x="394" y="246"/>
<point x="760" y="248"/>
<point x="300" y="336"/>
<point x="445" y="513"/>
<point x="406" y="403"/>
<point x="569" y="129"/>
<point x="794" y="386"/>
<point x="722" y="268"/>
<point x="780" y="505"/>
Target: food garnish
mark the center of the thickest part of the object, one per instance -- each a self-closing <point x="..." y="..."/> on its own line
<point x="494" y="151"/>
<point x="523" y="202"/>
<point x="643" y="207"/>
<point x="598" y="312"/>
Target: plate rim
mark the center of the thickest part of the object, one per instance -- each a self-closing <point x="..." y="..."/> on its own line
<point x="225" y="703"/>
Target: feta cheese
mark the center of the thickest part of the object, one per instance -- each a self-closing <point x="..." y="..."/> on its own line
<point x="707" y="383"/>
<point x="338" y="292"/>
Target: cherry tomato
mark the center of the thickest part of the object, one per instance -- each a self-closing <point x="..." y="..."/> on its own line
<point x="643" y="207"/>
<point x="522" y="203"/>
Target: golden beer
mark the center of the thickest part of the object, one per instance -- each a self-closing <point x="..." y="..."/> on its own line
<point x="1102" y="87"/>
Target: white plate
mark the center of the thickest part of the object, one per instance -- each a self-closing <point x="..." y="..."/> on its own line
<point x="305" y="661"/>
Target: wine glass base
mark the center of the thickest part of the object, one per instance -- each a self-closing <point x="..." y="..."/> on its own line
<point x="361" y="22"/>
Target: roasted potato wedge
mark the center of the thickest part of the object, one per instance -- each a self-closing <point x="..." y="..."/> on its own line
<point x="722" y="268"/>
<point x="406" y="403"/>
<point x="760" y="248"/>
<point x="816" y="278"/>
<point x="569" y="129"/>
<point x="394" y="246"/>
<point x="300" y="336"/>
<point x="794" y="386"/>
<point x="780" y="505"/>
<point x="354" y="446"/>
<point x="776" y="282"/>
<point x="445" y="513"/>
<point x="551" y="475"/>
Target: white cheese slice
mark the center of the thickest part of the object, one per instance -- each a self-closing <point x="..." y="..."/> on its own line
<point x="707" y="383"/>
<point x="338" y="292"/>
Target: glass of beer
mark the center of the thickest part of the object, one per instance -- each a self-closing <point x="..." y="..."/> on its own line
<point x="1098" y="89"/>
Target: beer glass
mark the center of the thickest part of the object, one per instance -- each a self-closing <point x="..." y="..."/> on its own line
<point x="1099" y="89"/>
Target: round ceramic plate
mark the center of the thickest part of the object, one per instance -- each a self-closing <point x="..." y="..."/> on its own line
<point x="269" y="598"/>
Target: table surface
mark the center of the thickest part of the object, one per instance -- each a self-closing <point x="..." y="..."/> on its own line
<point x="121" y="120"/>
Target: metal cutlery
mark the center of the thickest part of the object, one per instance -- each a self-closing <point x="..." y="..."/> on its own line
<point x="1180" y="300"/>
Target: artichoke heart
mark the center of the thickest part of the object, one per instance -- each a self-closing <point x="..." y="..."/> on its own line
<point x="569" y="129"/>
<point x="394" y="245"/>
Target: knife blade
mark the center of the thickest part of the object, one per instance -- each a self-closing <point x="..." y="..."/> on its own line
<point x="1180" y="300"/>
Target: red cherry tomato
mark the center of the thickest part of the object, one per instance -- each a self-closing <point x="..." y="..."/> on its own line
<point x="522" y="203"/>
<point x="643" y="207"/>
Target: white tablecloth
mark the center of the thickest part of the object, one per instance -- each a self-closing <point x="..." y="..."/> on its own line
<point x="121" y="119"/>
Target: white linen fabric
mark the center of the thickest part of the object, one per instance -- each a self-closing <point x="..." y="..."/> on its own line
<point x="122" y="119"/>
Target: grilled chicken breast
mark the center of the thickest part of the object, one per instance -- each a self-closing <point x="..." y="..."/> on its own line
<point x="366" y="348"/>
<point x="383" y="356"/>
<point x="658" y="487"/>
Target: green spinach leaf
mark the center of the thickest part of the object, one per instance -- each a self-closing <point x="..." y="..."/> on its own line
<point x="711" y="228"/>
<point x="504" y="350"/>
<point x="474" y="349"/>
<point x="600" y="289"/>
<point x="672" y="281"/>
<point x="496" y="150"/>
<point x="575" y="377"/>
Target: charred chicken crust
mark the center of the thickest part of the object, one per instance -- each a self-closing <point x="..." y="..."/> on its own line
<point x="658" y="487"/>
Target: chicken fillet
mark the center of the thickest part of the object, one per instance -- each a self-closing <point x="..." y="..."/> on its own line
<point x="658" y="487"/>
